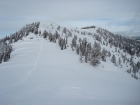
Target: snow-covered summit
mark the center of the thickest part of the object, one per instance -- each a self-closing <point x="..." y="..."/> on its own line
<point x="50" y="64"/>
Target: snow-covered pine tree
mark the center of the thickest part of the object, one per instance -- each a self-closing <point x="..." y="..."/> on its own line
<point x="64" y="30"/>
<point x="86" y="55"/>
<point x="69" y="34"/>
<point x="74" y="43"/>
<point x="57" y="35"/>
<point x="62" y="44"/>
<point x="119" y="61"/>
<point x="113" y="59"/>
<point x="138" y="65"/>
<point x="45" y="33"/>
<point x="103" y="55"/>
<point x="39" y="32"/>
<point x="65" y="43"/>
<point x="36" y="31"/>
<point x="77" y="49"/>
<point x="81" y="57"/>
<point x="95" y="54"/>
<point x="135" y="69"/>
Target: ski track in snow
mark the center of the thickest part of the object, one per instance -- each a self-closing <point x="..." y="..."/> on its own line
<point x="34" y="68"/>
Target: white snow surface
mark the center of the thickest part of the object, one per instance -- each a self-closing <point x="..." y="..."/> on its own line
<point x="39" y="73"/>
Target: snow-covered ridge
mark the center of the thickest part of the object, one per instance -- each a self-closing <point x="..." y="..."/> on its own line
<point x="60" y="65"/>
<point x="87" y="42"/>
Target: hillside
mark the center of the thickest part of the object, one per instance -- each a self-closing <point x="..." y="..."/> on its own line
<point x="68" y="66"/>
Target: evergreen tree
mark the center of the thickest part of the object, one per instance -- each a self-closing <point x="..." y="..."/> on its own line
<point x="45" y="33"/>
<point x="138" y="65"/>
<point x="65" y="30"/>
<point x="36" y="31"/>
<point x="109" y="54"/>
<point x="70" y="34"/>
<point x="113" y="60"/>
<point x="119" y="61"/>
<point x="86" y="55"/>
<point x="135" y="69"/>
<point x="57" y="35"/>
<point x="77" y="49"/>
<point x="39" y="32"/>
<point x="95" y="54"/>
<point x="103" y="55"/>
<point x="81" y="57"/>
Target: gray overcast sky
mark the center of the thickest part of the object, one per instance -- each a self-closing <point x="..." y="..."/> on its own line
<point x="122" y="16"/>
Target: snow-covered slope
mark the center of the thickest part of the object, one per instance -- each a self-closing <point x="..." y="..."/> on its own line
<point x="40" y="73"/>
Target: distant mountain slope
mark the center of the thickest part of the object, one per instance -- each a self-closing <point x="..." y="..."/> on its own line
<point x="50" y="64"/>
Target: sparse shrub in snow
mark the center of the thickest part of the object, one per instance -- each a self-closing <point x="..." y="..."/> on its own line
<point x="89" y="33"/>
<point x="31" y="37"/>
<point x="94" y="62"/>
<point x="102" y="66"/>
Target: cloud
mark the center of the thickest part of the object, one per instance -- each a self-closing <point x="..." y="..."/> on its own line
<point x="111" y="14"/>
